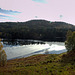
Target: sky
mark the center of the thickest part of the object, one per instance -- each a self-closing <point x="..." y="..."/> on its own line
<point x="24" y="10"/>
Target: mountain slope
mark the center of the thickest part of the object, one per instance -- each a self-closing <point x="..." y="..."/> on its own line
<point x="35" y="29"/>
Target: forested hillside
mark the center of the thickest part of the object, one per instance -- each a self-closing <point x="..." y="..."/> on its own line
<point x="35" y="29"/>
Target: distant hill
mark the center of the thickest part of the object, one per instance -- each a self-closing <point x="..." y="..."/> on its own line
<point x="50" y="24"/>
<point x="35" y="29"/>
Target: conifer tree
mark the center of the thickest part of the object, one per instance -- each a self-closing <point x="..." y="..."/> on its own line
<point x="70" y="42"/>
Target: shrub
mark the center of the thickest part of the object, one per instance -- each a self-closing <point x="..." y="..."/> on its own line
<point x="70" y="42"/>
<point x="3" y="56"/>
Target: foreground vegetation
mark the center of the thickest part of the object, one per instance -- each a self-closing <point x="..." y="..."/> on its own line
<point x="3" y="56"/>
<point x="50" y="64"/>
<point x="70" y="42"/>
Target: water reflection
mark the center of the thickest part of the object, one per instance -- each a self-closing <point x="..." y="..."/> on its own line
<point x="21" y="42"/>
<point x="46" y="51"/>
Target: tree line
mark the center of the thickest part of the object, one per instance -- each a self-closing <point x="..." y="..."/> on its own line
<point x="35" y="29"/>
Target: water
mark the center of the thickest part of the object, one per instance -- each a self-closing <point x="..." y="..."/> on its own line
<point x="21" y="49"/>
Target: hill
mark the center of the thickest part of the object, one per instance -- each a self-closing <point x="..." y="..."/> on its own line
<point x="35" y="29"/>
<point x="50" y="24"/>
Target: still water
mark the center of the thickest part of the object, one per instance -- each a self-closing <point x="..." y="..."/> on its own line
<point x="22" y="48"/>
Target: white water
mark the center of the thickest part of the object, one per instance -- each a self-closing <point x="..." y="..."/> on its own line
<point x="28" y="50"/>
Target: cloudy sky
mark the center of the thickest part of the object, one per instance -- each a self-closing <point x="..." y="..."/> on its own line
<point x="24" y="10"/>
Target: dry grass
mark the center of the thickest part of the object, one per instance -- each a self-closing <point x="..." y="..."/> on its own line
<point x="50" y="64"/>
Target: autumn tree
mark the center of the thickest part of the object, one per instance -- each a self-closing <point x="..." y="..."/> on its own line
<point x="70" y="42"/>
<point x="3" y="56"/>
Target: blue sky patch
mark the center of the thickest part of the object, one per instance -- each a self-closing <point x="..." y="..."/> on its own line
<point x="7" y="17"/>
<point x="9" y="12"/>
<point x="40" y="1"/>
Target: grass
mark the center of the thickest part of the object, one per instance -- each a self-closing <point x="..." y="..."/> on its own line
<point x="50" y="64"/>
